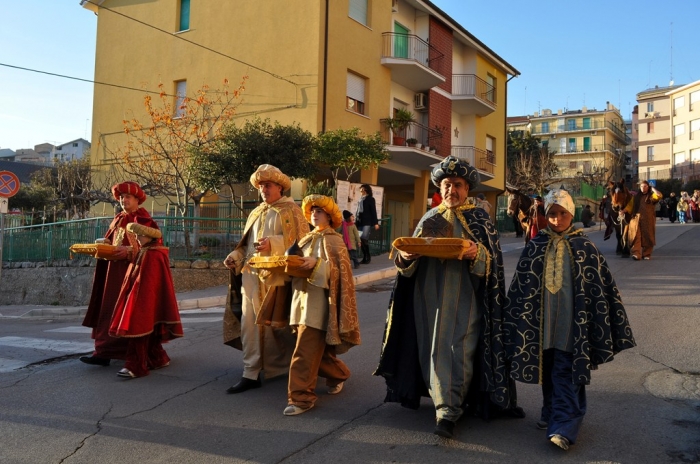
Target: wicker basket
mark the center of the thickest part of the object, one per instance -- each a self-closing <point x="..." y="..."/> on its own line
<point x="96" y="250"/>
<point x="286" y="264"/>
<point x="443" y="248"/>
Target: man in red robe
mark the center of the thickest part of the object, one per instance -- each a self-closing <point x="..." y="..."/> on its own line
<point x="146" y="312"/>
<point x="109" y="275"/>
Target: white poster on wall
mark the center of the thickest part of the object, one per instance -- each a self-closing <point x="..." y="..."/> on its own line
<point x="347" y="196"/>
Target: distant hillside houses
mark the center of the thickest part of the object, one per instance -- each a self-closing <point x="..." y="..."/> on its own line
<point x="47" y="154"/>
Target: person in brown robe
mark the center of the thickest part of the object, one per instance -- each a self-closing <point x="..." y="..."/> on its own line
<point x="644" y="214"/>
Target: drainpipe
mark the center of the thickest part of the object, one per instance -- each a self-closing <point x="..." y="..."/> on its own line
<point x="325" y="71"/>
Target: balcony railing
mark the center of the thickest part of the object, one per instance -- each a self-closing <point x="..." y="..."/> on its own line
<point x="412" y="47"/>
<point x="470" y="85"/>
<point x="592" y="126"/>
<point x="423" y="135"/>
<point x="483" y="160"/>
<point x="580" y="148"/>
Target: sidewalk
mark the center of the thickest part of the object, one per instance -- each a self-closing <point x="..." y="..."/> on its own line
<point x="380" y="268"/>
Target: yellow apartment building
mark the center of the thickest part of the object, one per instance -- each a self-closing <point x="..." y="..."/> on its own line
<point x="685" y="126"/>
<point x="585" y="141"/>
<point x="323" y="64"/>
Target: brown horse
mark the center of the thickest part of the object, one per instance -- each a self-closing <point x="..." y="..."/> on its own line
<point x="621" y="200"/>
<point x="518" y="208"/>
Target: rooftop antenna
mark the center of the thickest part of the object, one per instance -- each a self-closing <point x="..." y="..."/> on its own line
<point x="671" y="83"/>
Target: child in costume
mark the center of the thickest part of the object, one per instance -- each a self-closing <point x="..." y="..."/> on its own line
<point x="146" y="312"/>
<point x="564" y="316"/>
<point x="351" y="237"/>
<point x="324" y="309"/>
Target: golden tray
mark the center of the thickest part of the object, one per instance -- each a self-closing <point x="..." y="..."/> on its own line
<point x="434" y="247"/>
<point x="287" y="264"/>
<point x="96" y="250"/>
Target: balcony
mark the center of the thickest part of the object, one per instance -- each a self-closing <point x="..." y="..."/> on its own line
<point x="414" y="63"/>
<point x="416" y="155"/>
<point x="472" y="95"/>
<point x="483" y="160"/>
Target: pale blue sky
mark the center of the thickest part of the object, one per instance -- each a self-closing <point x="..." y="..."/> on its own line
<point x="569" y="54"/>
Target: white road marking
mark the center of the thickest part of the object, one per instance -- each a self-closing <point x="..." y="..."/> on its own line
<point x="73" y="329"/>
<point x="213" y="310"/>
<point x="61" y="346"/>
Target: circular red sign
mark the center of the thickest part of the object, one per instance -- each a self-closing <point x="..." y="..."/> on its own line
<point x="9" y="184"/>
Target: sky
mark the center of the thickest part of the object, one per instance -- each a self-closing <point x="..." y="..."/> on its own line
<point x="570" y="54"/>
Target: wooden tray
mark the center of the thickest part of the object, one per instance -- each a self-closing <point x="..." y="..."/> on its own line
<point x="96" y="250"/>
<point x="286" y="264"/>
<point x="434" y="247"/>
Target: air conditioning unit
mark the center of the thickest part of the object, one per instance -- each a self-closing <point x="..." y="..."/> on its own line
<point x="648" y="115"/>
<point x="395" y="5"/>
<point x="594" y="132"/>
<point x="420" y="101"/>
<point x="553" y="136"/>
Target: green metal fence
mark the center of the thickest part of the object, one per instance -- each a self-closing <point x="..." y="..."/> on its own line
<point x="188" y="238"/>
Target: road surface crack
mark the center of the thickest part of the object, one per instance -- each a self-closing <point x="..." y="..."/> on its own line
<point x="84" y="440"/>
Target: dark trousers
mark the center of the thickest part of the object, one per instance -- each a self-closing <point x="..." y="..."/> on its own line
<point x="564" y="402"/>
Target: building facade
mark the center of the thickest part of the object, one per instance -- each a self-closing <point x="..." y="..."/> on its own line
<point x="70" y="151"/>
<point x="685" y="127"/>
<point x="587" y="143"/>
<point x="324" y="65"/>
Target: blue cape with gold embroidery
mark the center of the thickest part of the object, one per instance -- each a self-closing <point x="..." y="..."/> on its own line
<point x="491" y="391"/>
<point x="601" y="328"/>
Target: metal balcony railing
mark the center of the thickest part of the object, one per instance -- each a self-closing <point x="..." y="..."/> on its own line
<point x="422" y="135"/>
<point x="592" y="126"/>
<point x="412" y="47"/>
<point x="472" y="85"/>
<point x="483" y="160"/>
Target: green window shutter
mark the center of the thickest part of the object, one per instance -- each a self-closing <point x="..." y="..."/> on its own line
<point x="184" y="15"/>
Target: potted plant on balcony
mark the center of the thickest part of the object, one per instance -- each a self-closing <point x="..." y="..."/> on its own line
<point x="411" y="142"/>
<point x="398" y="125"/>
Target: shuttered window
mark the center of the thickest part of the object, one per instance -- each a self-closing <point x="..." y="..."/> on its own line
<point x="358" y="11"/>
<point x="356" y="93"/>
<point x="181" y="92"/>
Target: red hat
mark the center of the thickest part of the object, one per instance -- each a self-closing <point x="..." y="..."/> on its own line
<point x="132" y="188"/>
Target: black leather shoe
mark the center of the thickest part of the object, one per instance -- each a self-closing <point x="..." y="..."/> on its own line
<point x="445" y="428"/>
<point x="245" y="384"/>
<point x="95" y="361"/>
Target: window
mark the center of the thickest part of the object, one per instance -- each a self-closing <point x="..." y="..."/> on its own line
<point x="650" y="107"/>
<point x="571" y="124"/>
<point x="650" y="153"/>
<point x="587" y="167"/>
<point x="650" y="128"/>
<point x="355" y="100"/>
<point x="679" y="158"/>
<point x="491" y="92"/>
<point x="181" y="93"/>
<point x="695" y="155"/>
<point x="572" y="145"/>
<point x="678" y="103"/>
<point x="562" y="145"/>
<point x="678" y="130"/>
<point x="572" y="165"/>
<point x="545" y="127"/>
<point x="694" y="127"/>
<point x="184" y="15"/>
<point x="490" y="144"/>
<point x="75" y="144"/>
<point x="694" y="98"/>
<point x="358" y="11"/>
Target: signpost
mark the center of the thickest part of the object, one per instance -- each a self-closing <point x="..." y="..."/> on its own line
<point x="9" y="186"/>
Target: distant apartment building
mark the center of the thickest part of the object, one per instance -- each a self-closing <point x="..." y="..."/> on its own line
<point x="70" y="151"/>
<point x="323" y="65"/>
<point x="654" y="133"/>
<point x="585" y="141"/>
<point x="685" y="130"/>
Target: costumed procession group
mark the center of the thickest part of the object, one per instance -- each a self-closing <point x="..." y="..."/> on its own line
<point x="452" y="334"/>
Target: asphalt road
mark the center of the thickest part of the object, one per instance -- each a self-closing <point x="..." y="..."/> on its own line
<point x="642" y="408"/>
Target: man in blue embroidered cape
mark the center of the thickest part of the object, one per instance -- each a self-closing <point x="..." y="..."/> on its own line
<point x="444" y="330"/>
<point x="563" y="317"/>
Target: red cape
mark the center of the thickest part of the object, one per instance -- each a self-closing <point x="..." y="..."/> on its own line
<point x="147" y="299"/>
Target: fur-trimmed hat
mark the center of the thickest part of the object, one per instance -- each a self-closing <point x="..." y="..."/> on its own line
<point x="140" y="229"/>
<point x="455" y="167"/>
<point x="269" y="173"/>
<point x="561" y="198"/>
<point x="326" y="204"/>
<point x="131" y="188"/>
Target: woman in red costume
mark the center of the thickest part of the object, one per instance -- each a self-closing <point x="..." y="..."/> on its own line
<point x="109" y="275"/>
